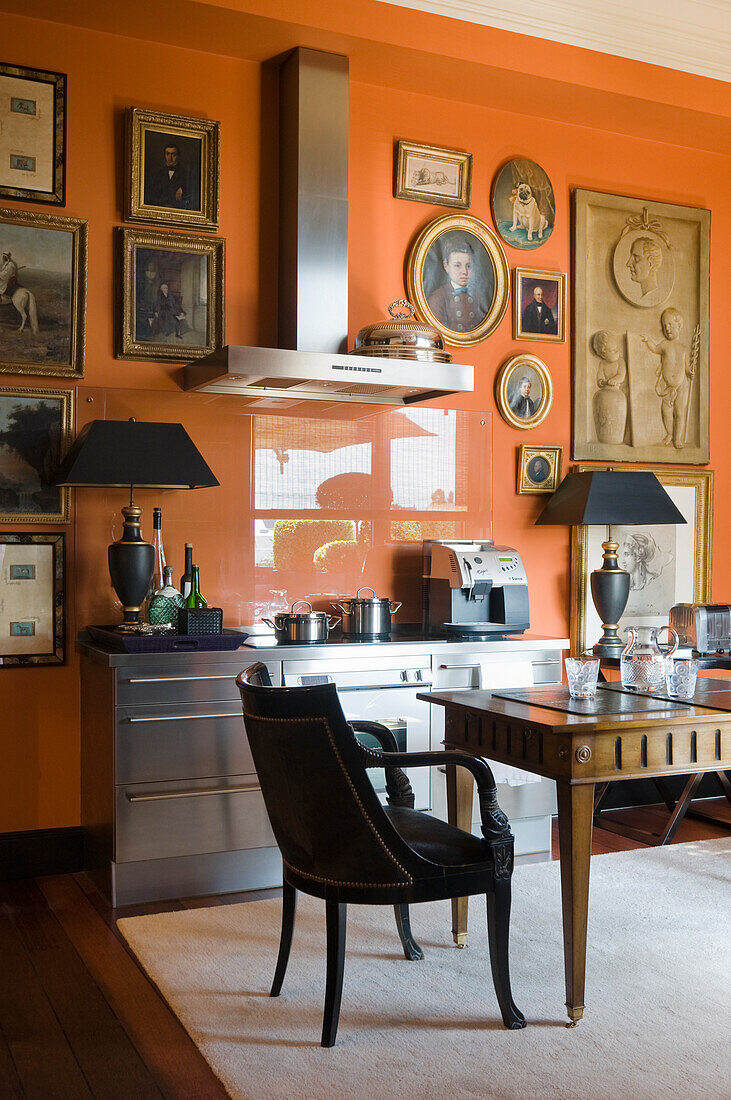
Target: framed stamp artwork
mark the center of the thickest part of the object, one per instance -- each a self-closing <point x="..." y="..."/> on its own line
<point x="32" y="599"/>
<point x="539" y="305"/>
<point x="43" y="261"/>
<point x="429" y="173"/>
<point x="667" y="563"/>
<point x="523" y="204"/>
<point x="35" y="432"/>
<point x="171" y="301"/>
<point x="524" y="391"/>
<point x="539" y="468"/>
<point x="458" y="278"/>
<point x="32" y="135"/>
<point x="172" y="170"/>
<point x="640" y="332"/>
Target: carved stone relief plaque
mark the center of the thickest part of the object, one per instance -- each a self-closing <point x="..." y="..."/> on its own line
<point x="640" y="333"/>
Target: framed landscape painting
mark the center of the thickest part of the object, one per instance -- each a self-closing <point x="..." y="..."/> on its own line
<point x="42" y="294"/>
<point x="32" y="599"/>
<point x="32" y="135"/>
<point x="35" y="431"/>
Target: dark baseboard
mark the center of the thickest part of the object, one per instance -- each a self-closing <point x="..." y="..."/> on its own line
<point x="41" y="852"/>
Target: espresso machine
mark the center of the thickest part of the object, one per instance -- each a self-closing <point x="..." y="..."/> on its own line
<point x="473" y="590"/>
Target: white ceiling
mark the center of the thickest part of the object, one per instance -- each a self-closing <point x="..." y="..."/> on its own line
<point x="691" y="35"/>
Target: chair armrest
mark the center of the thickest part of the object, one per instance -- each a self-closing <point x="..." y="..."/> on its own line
<point x="494" y="821"/>
<point x="398" y="788"/>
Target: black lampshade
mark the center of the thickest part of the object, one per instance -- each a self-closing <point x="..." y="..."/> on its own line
<point x="610" y="497"/>
<point x="139" y="453"/>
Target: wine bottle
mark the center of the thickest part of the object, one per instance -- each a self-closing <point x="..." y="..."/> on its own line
<point x="195" y="598"/>
<point x="158" y="577"/>
<point x="186" y="581"/>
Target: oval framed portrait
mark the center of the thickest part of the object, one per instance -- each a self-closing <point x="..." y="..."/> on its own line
<point x="524" y="391"/>
<point x="523" y="203"/>
<point x="458" y="278"/>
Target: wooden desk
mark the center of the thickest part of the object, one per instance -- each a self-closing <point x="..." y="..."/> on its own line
<point x="621" y="736"/>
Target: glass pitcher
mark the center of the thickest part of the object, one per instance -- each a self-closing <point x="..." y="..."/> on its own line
<point x="642" y="664"/>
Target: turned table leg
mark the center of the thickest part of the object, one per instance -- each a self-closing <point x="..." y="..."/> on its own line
<point x="575" y="811"/>
<point x="460" y="793"/>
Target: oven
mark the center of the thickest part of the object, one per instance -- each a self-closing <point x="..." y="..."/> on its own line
<point x="378" y="689"/>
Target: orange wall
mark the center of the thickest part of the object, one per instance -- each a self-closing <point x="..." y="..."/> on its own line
<point x="39" y="737"/>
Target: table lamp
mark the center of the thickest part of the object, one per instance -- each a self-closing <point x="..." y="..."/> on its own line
<point x="128" y="453"/>
<point x="605" y="497"/>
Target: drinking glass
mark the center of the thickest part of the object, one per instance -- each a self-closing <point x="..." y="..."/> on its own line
<point x="582" y="673"/>
<point x="680" y="676"/>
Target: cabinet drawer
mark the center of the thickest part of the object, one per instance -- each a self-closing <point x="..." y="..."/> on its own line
<point x="156" y="820"/>
<point x="181" y="741"/>
<point x="189" y="686"/>
<point x="454" y="673"/>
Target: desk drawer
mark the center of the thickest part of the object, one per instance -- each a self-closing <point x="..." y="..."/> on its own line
<point x="157" y="820"/>
<point x="181" y="741"/>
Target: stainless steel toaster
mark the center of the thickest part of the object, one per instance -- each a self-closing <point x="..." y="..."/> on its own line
<point x="704" y="627"/>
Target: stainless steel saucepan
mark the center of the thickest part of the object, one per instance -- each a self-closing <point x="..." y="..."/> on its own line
<point x="309" y="626"/>
<point x="367" y="616"/>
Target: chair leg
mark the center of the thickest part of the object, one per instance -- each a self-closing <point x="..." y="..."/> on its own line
<point x="335" y="915"/>
<point x="289" y="908"/>
<point x="498" y="931"/>
<point x="412" y="951"/>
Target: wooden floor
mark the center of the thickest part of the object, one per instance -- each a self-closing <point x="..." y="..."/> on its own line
<point x="79" y="1019"/>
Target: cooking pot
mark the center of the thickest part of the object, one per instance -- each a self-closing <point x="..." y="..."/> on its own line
<point x="309" y="626"/>
<point x="363" y="615"/>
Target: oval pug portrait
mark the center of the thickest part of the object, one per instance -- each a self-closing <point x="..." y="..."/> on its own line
<point x="459" y="279"/>
<point x="524" y="391"/>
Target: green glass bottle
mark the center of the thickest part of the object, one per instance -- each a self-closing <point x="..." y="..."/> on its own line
<point x="195" y="597"/>
<point x="166" y="604"/>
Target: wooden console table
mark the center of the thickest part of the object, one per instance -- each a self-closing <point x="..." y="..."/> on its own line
<point x="615" y="736"/>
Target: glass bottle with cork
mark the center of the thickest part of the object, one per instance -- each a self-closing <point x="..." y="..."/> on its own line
<point x="167" y="603"/>
<point x="195" y="598"/>
<point x="186" y="581"/>
<point x="158" y="576"/>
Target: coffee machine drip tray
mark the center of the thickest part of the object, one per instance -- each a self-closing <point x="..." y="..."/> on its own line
<point x="480" y="632"/>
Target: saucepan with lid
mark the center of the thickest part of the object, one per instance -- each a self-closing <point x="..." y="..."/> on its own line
<point x="367" y="615"/>
<point x="302" y="626"/>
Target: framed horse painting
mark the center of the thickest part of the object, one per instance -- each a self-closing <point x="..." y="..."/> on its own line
<point x="42" y="294"/>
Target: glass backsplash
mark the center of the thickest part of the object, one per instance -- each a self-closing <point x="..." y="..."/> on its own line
<point x="308" y="507"/>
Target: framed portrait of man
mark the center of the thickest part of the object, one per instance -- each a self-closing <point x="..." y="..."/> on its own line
<point x="458" y="278"/>
<point x="524" y="391"/>
<point x="173" y="169"/>
<point x="539" y="305"/>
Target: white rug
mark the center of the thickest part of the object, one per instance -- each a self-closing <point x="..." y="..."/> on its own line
<point x="658" y="1009"/>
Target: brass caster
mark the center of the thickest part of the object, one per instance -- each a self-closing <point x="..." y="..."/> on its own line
<point x="460" y="939"/>
<point x="572" y="1023"/>
<point x="461" y="946"/>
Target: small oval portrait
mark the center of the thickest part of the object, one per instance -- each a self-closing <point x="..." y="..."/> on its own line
<point x="523" y="204"/>
<point x="524" y="391"/>
<point x="538" y="469"/>
<point x="458" y="277"/>
<point x="644" y="268"/>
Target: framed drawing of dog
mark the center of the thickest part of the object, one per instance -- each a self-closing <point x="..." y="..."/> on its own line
<point x="458" y="278"/>
<point x="539" y="305"/>
<point x="429" y="173"/>
<point x="523" y="204"/>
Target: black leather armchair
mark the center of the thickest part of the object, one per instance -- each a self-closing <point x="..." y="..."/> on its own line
<point x="339" y="843"/>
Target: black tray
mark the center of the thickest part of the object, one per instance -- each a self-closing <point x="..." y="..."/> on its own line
<point x="114" y="642"/>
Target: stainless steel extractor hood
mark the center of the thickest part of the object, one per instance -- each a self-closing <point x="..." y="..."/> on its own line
<point x="310" y="362"/>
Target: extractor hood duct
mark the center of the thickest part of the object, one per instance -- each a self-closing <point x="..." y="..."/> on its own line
<point x="311" y="362"/>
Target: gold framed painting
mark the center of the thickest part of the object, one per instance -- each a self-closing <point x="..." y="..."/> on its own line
<point x="171" y="296"/>
<point x="539" y="305"/>
<point x="43" y="261"/>
<point x="35" y="432"/>
<point x="173" y="169"/>
<point x="667" y="563"/>
<point x="524" y="391"/>
<point x="458" y="278"/>
<point x="32" y="135"/>
<point x="32" y="599"/>
<point x="430" y="173"/>
<point x="539" y="468"/>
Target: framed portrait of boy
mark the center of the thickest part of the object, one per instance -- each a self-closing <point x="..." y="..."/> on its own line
<point x="430" y="173"/>
<point x="524" y="391"/>
<point x="539" y="305"/>
<point x="458" y="278"/>
<point x="539" y="468"/>
<point x="32" y="599"/>
<point x="32" y="135"/>
<point x="172" y="170"/>
<point x="35" y="432"/>
<point x="171" y="300"/>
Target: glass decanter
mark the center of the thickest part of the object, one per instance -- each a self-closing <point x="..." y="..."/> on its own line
<point x="642" y="664"/>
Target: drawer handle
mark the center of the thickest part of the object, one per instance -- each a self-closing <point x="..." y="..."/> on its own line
<point x="176" y="679"/>
<point x="555" y="661"/>
<point x="185" y="717"/>
<point x="166" y="795"/>
<point x="475" y="664"/>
